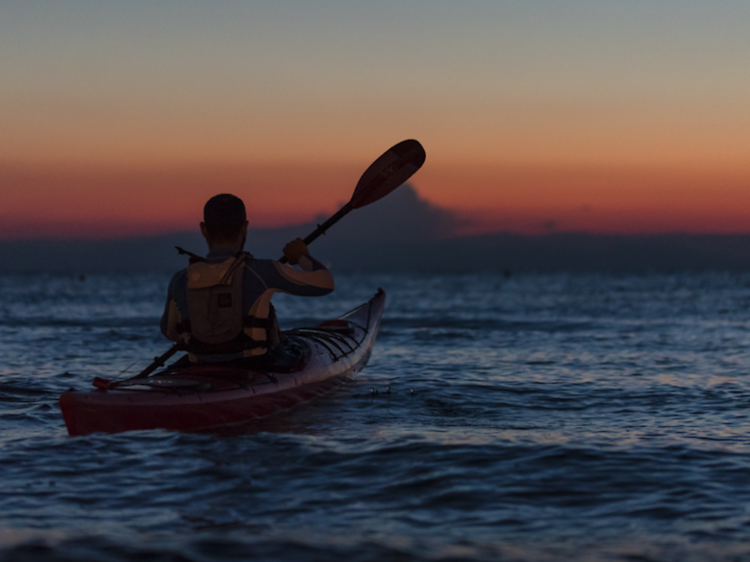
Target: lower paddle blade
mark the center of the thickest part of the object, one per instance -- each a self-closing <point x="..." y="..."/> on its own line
<point x="388" y="172"/>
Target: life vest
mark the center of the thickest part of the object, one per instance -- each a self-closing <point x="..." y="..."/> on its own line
<point x="218" y="328"/>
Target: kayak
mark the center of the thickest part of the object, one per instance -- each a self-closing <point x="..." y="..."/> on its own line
<point x="205" y="396"/>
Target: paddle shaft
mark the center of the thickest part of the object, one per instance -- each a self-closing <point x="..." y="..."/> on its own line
<point x="159" y="361"/>
<point x="325" y="226"/>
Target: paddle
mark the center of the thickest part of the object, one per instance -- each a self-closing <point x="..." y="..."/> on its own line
<point x="388" y="172"/>
<point x="384" y="175"/>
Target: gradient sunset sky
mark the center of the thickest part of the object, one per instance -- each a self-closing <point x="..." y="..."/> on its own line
<point x="122" y="118"/>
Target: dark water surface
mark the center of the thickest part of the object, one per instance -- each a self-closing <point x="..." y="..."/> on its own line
<point x="541" y="417"/>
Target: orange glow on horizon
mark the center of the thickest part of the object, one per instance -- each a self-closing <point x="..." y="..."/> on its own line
<point x="598" y="199"/>
<point x="107" y="201"/>
<point x="102" y="202"/>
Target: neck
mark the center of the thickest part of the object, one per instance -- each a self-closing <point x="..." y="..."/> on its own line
<point x="225" y="247"/>
<point x="233" y="245"/>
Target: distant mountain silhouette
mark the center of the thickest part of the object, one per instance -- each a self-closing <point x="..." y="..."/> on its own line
<point x="401" y="233"/>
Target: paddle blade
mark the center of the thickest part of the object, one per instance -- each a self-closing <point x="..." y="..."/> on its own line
<point x="393" y="168"/>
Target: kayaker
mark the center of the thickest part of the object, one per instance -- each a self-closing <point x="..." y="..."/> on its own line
<point x="220" y="305"/>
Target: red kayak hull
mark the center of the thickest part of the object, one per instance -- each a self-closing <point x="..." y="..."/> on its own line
<point x="209" y="396"/>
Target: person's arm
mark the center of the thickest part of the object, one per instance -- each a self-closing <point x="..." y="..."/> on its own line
<point x="312" y="279"/>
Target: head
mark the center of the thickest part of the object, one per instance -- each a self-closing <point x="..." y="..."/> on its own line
<point x="224" y="222"/>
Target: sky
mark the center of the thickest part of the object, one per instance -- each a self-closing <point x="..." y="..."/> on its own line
<point x="122" y="118"/>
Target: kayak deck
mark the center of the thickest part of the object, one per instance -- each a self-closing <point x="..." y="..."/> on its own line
<point x="204" y="396"/>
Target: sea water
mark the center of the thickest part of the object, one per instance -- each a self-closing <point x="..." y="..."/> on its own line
<point x="532" y="417"/>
